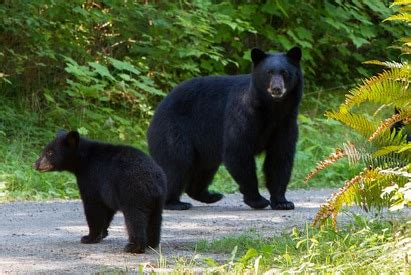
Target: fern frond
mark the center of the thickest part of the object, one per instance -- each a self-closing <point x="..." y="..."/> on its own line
<point x="389" y="122"/>
<point x="393" y="149"/>
<point x="406" y="41"/>
<point x="402" y="172"/>
<point x="385" y="161"/>
<point x="388" y="138"/>
<point x="404" y="17"/>
<point x="333" y="204"/>
<point x="349" y="150"/>
<point x="352" y="152"/>
<point x="400" y="2"/>
<point x="383" y="88"/>
<point x="363" y="190"/>
<point x="339" y="153"/>
<point x="357" y="122"/>
<point x="388" y="64"/>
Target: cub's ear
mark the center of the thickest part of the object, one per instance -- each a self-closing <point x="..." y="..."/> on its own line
<point x="294" y="54"/>
<point x="72" y="139"/>
<point x="257" y="55"/>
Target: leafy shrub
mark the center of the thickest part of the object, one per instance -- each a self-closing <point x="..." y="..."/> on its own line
<point x="177" y="40"/>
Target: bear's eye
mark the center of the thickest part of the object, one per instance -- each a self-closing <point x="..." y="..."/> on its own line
<point x="49" y="153"/>
<point x="284" y="73"/>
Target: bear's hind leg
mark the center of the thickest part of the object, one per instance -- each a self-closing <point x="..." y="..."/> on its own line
<point x="175" y="156"/>
<point x="176" y="181"/>
<point x="136" y="224"/>
<point x="154" y="224"/>
<point x="197" y="188"/>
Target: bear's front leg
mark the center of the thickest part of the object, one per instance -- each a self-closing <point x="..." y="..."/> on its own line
<point x="241" y="166"/>
<point x="278" y="165"/>
<point x="97" y="219"/>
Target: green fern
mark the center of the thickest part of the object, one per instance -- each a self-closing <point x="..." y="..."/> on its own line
<point x="382" y="149"/>
<point x="388" y="87"/>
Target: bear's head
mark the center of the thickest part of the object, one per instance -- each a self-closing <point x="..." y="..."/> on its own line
<point x="276" y="74"/>
<point x="60" y="154"/>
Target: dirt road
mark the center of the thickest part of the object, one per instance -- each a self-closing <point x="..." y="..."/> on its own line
<point x="45" y="236"/>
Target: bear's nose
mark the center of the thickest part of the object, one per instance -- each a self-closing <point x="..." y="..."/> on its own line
<point x="276" y="90"/>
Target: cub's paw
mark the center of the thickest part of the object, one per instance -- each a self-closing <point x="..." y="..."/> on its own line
<point x="91" y="239"/>
<point x="178" y="206"/>
<point x="284" y="205"/>
<point x="210" y="197"/>
<point x="258" y="203"/>
<point x="134" y="248"/>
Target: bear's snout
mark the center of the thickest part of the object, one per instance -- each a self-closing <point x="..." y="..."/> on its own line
<point x="276" y="88"/>
<point x="42" y="165"/>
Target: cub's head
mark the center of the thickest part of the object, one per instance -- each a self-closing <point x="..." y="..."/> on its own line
<point x="276" y="74"/>
<point x="59" y="154"/>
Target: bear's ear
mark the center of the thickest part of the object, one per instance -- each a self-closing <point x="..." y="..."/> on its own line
<point x="61" y="132"/>
<point x="72" y="139"/>
<point x="294" y="54"/>
<point x="257" y="55"/>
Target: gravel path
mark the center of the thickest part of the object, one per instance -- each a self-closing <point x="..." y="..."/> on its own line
<point x="45" y="236"/>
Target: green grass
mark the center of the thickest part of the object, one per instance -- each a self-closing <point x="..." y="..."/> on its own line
<point x="23" y="135"/>
<point x="365" y="246"/>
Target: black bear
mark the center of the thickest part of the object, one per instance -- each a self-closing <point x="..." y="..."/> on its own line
<point x="210" y="120"/>
<point x="111" y="178"/>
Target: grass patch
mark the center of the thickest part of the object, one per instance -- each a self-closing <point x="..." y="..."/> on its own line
<point x="365" y="246"/>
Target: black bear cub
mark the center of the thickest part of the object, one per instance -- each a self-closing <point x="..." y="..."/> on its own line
<point x="111" y="178"/>
<point x="211" y="120"/>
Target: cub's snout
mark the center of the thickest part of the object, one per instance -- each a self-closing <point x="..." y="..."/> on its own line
<point x="42" y="164"/>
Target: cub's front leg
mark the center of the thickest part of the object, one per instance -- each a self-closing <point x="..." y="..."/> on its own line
<point x="98" y="218"/>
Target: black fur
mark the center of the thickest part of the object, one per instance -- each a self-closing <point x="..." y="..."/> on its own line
<point x="111" y="178"/>
<point x="209" y="120"/>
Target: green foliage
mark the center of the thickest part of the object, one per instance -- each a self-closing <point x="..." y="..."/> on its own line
<point x="174" y="41"/>
<point x="366" y="246"/>
<point x="368" y="110"/>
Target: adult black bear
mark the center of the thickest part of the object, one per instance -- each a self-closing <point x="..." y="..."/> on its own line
<point x="209" y="120"/>
<point x="111" y="178"/>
